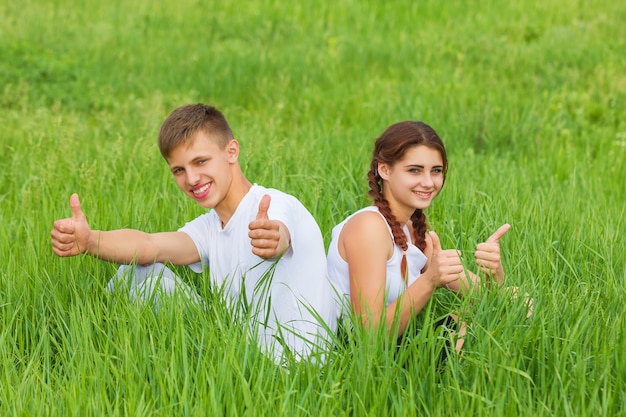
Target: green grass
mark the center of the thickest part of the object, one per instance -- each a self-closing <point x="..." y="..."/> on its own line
<point x="529" y="97"/>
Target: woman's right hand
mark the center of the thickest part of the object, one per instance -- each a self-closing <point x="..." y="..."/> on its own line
<point x="445" y="265"/>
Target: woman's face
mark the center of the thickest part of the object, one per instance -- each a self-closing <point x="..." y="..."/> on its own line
<point x="412" y="182"/>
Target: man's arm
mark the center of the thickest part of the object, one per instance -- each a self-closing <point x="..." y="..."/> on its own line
<point x="73" y="236"/>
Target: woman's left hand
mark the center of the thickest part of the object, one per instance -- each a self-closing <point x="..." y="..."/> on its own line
<point x="488" y="255"/>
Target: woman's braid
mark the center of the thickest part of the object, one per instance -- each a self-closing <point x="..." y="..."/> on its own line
<point x="418" y="220"/>
<point x="399" y="237"/>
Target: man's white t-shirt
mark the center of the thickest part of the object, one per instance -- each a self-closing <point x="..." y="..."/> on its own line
<point x="294" y="290"/>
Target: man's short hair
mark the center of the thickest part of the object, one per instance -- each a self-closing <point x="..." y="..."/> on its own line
<point x="186" y="121"/>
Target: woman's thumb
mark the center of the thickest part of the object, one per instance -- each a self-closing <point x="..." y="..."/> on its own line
<point x="436" y="242"/>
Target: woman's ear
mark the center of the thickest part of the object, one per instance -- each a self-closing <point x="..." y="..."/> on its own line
<point x="383" y="170"/>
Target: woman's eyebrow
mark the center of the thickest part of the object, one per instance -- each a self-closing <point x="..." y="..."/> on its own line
<point x="422" y="166"/>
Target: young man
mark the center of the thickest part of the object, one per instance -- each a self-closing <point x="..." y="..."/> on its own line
<point x="261" y="246"/>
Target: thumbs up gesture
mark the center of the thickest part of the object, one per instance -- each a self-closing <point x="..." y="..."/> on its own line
<point x="446" y="266"/>
<point x="488" y="255"/>
<point x="70" y="236"/>
<point x="269" y="238"/>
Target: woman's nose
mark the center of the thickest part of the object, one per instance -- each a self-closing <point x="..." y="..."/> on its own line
<point x="427" y="180"/>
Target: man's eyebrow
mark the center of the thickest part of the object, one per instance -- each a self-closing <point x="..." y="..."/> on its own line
<point x="201" y="157"/>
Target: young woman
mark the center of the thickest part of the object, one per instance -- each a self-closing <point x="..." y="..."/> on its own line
<point x="381" y="258"/>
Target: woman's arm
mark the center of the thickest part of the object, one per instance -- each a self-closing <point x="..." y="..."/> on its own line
<point x="366" y="246"/>
<point x="488" y="260"/>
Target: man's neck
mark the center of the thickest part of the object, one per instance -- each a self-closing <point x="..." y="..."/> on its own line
<point x="238" y="190"/>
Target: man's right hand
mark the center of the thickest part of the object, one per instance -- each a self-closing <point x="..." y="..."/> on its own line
<point x="70" y="236"/>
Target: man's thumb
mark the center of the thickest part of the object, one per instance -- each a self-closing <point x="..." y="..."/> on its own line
<point x="77" y="213"/>
<point x="264" y="206"/>
<point x="436" y="242"/>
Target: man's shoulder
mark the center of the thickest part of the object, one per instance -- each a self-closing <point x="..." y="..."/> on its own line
<point x="204" y="219"/>
<point x="277" y="196"/>
<point x="285" y="207"/>
<point x="261" y="190"/>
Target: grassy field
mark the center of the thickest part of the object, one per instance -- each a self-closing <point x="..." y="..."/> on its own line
<point x="529" y="97"/>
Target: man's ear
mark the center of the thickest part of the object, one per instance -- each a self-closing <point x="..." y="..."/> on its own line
<point x="383" y="170"/>
<point x="232" y="148"/>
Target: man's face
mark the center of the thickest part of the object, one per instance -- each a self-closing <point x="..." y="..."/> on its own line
<point x="203" y="170"/>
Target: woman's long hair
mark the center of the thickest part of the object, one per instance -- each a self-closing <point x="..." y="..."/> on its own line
<point x="389" y="148"/>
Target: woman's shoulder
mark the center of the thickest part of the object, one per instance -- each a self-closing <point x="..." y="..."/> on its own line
<point x="366" y="222"/>
<point x="365" y="216"/>
<point x="365" y="232"/>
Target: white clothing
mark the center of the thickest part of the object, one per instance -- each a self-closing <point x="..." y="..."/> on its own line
<point x="394" y="284"/>
<point x="148" y="283"/>
<point x="290" y="299"/>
